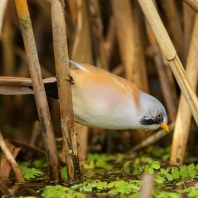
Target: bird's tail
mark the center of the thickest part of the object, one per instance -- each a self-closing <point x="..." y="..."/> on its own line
<point x="18" y="86"/>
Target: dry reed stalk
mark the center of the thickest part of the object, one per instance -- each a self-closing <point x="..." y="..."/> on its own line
<point x="82" y="139"/>
<point x="39" y="91"/>
<point x="125" y="34"/>
<point x="175" y="24"/>
<point x="127" y="19"/>
<point x="5" y="166"/>
<point x="139" y="64"/>
<point x="64" y="90"/>
<point x="119" y="70"/>
<point x="128" y="29"/>
<point x="110" y="39"/>
<point x="3" y="4"/>
<point x="73" y="8"/>
<point x="170" y="54"/>
<point x="147" y="186"/>
<point x="188" y="17"/>
<point x="81" y="49"/>
<point x="153" y="138"/>
<point x="8" y="58"/>
<point x="193" y="4"/>
<point x="3" y="189"/>
<point x="171" y="79"/>
<point x="166" y="86"/>
<point x="82" y="52"/>
<point x="97" y="29"/>
<point x="35" y="133"/>
<point x="7" y="44"/>
<point x="183" y="120"/>
<point x="11" y="159"/>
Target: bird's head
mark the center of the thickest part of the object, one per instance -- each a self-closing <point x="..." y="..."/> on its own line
<point x="153" y="114"/>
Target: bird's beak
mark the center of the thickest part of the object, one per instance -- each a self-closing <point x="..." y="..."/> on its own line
<point x="165" y="126"/>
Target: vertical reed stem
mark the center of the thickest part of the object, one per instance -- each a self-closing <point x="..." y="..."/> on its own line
<point x="64" y="90"/>
<point x="40" y="96"/>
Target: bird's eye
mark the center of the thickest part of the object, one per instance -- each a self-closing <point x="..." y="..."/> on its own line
<point x="159" y="115"/>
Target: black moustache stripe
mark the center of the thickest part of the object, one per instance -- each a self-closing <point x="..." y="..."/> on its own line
<point x="150" y="121"/>
<point x="147" y="122"/>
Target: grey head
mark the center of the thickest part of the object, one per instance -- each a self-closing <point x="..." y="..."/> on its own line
<point x="153" y="114"/>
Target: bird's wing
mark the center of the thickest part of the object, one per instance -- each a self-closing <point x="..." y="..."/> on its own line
<point x="89" y="77"/>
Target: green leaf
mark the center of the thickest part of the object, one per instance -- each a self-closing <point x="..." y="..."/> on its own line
<point x="104" y="184"/>
<point x="90" y="166"/>
<point x="111" y="184"/>
<point x="146" y="168"/>
<point x="127" y="169"/>
<point x="165" y="157"/>
<point x="193" y="193"/>
<point x="120" y="189"/>
<point x="192" y="170"/>
<point x="155" y="165"/>
<point x="99" y="186"/>
<point x="167" y="175"/>
<point x="31" y="173"/>
<point x="175" y="172"/>
<point x="159" y="179"/>
<point x="134" y="187"/>
<point x="137" y="169"/>
<point x="121" y="183"/>
<point x="184" y="171"/>
<point x="150" y="170"/>
<point x="64" y="173"/>
<point x="40" y="163"/>
<point x="101" y="163"/>
<point x="93" y="184"/>
<point x="87" y="188"/>
<point x="55" y="191"/>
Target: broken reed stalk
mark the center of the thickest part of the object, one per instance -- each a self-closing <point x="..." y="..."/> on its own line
<point x="64" y="90"/>
<point x="147" y="186"/>
<point x="193" y="4"/>
<point x="152" y="139"/>
<point x="39" y="91"/>
<point x="170" y="54"/>
<point x="11" y="159"/>
<point x="183" y="120"/>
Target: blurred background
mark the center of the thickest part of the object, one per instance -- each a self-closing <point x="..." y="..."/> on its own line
<point x="110" y="34"/>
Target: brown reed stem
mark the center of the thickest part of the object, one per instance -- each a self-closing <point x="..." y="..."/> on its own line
<point x="64" y="90"/>
<point x="193" y="4"/>
<point x="182" y="125"/>
<point x="11" y="159"/>
<point x="39" y="91"/>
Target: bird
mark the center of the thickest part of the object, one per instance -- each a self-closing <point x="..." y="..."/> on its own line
<point x="100" y="99"/>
